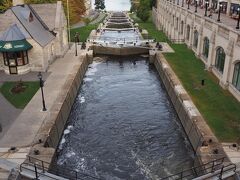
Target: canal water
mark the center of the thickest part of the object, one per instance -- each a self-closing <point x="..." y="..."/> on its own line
<point x="113" y="36"/>
<point x="122" y="124"/>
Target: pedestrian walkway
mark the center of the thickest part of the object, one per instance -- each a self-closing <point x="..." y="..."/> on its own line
<point x="8" y="113"/>
<point x="24" y="128"/>
<point x="224" y="19"/>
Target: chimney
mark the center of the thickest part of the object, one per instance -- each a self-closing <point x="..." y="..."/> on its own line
<point x="18" y="2"/>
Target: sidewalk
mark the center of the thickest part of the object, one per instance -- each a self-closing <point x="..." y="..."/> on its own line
<point x="8" y="113"/>
<point x="23" y="130"/>
<point x="224" y="19"/>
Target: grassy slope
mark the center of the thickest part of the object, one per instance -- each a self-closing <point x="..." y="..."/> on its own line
<point x="19" y="100"/>
<point x="220" y="109"/>
<point x="85" y="31"/>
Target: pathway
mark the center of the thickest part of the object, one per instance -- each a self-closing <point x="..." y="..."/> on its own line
<point x="224" y="19"/>
<point x="8" y="113"/>
<point x="24" y="128"/>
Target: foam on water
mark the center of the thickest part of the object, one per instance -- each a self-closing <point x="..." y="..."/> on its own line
<point x="87" y="79"/>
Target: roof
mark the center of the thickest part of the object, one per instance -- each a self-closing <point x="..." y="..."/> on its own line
<point x="36" y="28"/>
<point x="15" y="46"/>
<point x="13" y="33"/>
<point x="47" y="12"/>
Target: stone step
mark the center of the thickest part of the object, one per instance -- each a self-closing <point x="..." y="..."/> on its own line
<point x="4" y="174"/>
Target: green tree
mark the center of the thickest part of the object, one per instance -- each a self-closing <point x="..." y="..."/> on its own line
<point x="99" y="4"/>
<point x="143" y="13"/>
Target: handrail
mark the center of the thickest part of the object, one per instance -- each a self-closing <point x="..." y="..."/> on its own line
<point x="225" y="168"/>
<point x="64" y="172"/>
<point x="198" y="170"/>
<point x="38" y="174"/>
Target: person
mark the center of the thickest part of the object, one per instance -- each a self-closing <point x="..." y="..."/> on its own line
<point x="211" y="13"/>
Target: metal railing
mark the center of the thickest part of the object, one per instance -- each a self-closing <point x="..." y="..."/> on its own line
<point x="40" y="167"/>
<point x="213" y="168"/>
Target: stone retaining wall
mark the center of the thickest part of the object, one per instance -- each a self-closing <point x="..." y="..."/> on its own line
<point x="203" y="141"/>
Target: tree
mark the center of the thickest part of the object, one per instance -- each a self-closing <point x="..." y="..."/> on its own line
<point x="143" y="10"/>
<point x="99" y="4"/>
<point x="143" y="13"/>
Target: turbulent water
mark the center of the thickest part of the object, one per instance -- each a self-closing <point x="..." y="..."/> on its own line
<point x="116" y="5"/>
<point x="122" y="124"/>
<point x="115" y="36"/>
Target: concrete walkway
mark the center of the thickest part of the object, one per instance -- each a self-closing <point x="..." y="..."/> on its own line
<point x="224" y="19"/>
<point x="23" y="130"/>
<point x="8" y="113"/>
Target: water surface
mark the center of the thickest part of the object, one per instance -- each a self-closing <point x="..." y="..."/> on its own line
<point x="122" y="124"/>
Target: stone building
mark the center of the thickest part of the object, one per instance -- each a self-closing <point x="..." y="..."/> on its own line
<point x="32" y="36"/>
<point x="216" y="44"/>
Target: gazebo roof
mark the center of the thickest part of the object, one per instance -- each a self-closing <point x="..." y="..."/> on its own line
<point x="13" y="33"/>
<point x="13" y="40"/>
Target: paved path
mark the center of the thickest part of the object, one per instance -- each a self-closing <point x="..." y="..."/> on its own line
<point x="8" y="113"/>
<point x="23" y="130"/>
<point x="225" y="19"/>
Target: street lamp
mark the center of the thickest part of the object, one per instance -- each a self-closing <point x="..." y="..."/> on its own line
<point x="188" y="3"/>
<point x="76" y="42"/>
<point x="182" y="3"/>
<point x="41" y="83"/>
<point x="206" y="7"/>
<point x="196" y="1"/>
<point x="238" y="9"/>
<point x="219" y="10"/>
<point x="177" y="2"/>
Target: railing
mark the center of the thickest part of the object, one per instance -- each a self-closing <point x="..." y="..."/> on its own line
<point x="35" y="171"/>
<point x="40" y="167"/>
<point x="210" y="169"/>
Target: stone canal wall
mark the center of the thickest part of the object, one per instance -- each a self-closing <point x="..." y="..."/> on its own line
<point x="203" y="141"/>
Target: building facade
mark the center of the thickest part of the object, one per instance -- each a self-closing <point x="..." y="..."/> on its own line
<point x="43" y="27"/>
<point x="216" y="44"/>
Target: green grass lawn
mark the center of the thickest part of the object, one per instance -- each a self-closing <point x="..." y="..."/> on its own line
<point x="219" y="108"/>
<point x="151" y="28"/>
<point x="84" y="32"/>
<point x="21" y="99"/>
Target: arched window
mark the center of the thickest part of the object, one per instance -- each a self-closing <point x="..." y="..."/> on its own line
<point x="220" y="59"/>
<point x="236" y="76"/>
<point x="195" y="39"/>
<point x="181" y="27"/>
<point x="188" y="32"/>
<point x="177" y="24"/>
<point x="205" y="47"/>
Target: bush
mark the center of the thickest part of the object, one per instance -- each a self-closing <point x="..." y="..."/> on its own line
<point x="143" y="13"/>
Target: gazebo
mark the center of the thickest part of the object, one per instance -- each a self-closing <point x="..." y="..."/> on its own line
<point x="14" y="47"/>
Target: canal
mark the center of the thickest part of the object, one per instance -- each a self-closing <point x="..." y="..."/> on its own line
<point x="123" y="125"/>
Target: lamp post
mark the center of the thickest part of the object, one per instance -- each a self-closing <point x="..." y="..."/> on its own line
<point x="188" y="3"/>
<point x="41" y="83"/>
<point x="219" y="10"/>
<point x="238" y="9"/>
<point x="206" y="7"/>
<point x="182" y="3"/>
<point x="196" y="3"/>
<point x="68" y="25"/>
<point x="177" y="2"/>
<point x="76" y="43"/>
